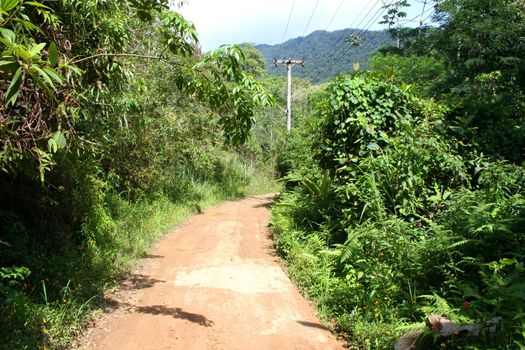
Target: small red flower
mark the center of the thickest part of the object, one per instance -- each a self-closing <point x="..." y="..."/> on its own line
<point x="465" y="304"/>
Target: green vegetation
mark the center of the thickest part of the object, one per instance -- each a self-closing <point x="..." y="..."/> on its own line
<point x="475" y="62"/>
<point x="114" y="127"/>
<point x="403" y="184"/>
<point x="317" y="48"/>
<point x="404" y="201"/>
<point x="47" y="301"/>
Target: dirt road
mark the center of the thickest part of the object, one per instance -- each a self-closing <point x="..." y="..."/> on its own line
<point x="214" y="283"/>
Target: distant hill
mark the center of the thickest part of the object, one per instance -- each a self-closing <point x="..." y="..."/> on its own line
<point x="326" y="53"/>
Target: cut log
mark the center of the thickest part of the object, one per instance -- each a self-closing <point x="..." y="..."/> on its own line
<point x="408" y="340"/>
<point x="444" y="327"/>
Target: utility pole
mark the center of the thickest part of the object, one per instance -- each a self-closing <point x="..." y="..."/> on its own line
<point x="289" y="65"/>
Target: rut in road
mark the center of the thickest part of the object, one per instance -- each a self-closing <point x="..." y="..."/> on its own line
<point x="213" y="283"/>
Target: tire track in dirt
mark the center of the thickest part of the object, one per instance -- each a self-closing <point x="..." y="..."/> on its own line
<point x="213" y="283"/>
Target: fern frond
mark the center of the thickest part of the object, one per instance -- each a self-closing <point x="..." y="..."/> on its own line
<point x="463" y="243"/>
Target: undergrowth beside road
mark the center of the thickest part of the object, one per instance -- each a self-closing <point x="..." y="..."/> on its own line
<point x="48" y="301"/>
<point x="114" y="126"/>
<point x="387" y="218"/>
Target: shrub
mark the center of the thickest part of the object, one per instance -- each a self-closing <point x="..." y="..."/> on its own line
<point x="399" y="220"/>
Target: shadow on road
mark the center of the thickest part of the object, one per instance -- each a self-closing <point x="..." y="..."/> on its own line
<point x="175" y="312"/>
<point x="311" y="324"/>
<point x="151" y="256"/>
<point x="139" y="281"/>
<point x="264" y="204"/>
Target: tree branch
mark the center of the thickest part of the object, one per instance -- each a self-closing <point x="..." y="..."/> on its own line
<point x="130" y="55"/>
<point x="134" y="55"/>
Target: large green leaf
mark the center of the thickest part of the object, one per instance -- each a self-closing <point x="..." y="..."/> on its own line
<point x="8" y="5"/>
<point x="6" y="62"/>
<point x="8" y="34"/>
<point x="36" y="4"/>
<point x="53" y="54"/>
<point x="41" y="73"/>
<point x="28" y="25"/>
<point x="35" y="50"/>
<point x="311" y="186"/>
<point x="8" y="43"/>
<point x="14" y="88"/>
<point x="56" y="142"/>
<point x="52" y="74"/>
<point x="18" y="49"/>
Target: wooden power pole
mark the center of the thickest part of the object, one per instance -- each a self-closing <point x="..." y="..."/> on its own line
<point x="289" y="65"/>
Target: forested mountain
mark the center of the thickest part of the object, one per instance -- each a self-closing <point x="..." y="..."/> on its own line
<point x="326" y="53"/>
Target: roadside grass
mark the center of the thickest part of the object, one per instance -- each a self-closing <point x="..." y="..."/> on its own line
<point x="383" y="281"/>
<point x="49" y="308"/>
<point x="310" y="264"/>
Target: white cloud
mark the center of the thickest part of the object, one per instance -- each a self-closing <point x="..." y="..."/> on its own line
<point x="264" y="21"/>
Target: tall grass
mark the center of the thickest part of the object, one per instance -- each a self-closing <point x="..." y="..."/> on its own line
<point x="49" y="308"/>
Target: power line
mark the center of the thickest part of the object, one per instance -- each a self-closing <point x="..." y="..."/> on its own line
<point x="375" y="17"/>
<point x="422" y="13"/>
<point x="342" y="50"/>
<point x="421" y="21"/>
<point x="415" y="19"/>
<point x="359" y="31"/>
<point x="330" y="22"/>
<point x="335" y="14"/>
<point x="373" y="36"/>
<point x="286" y="29"/>
<point x="369" y="24"/>
<point x="430" y="15"/>
<point x="345" y="33"/>
<point x="368" y="13"/>
<point x="306" y="27"/>
<point x="328" y="25"/>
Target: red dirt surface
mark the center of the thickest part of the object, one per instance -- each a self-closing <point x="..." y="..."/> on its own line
<point x="213" y="283"/>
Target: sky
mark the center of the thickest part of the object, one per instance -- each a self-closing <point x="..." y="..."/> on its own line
<point x="264" y="21"/>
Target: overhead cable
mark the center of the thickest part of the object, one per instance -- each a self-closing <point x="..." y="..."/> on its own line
<point x="343" y="49"/>
<point x="306" y="27"/>
<point x="286" y="28"/>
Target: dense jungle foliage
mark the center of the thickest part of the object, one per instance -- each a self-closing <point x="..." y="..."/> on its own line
<point x="404" y="186"/>
<point x="113" y="128"/>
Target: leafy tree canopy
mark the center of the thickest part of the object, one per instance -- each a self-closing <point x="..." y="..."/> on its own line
<point x="475" y="60"/>
<point x="57" y="58"/>
<point x="482" y="36"/>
